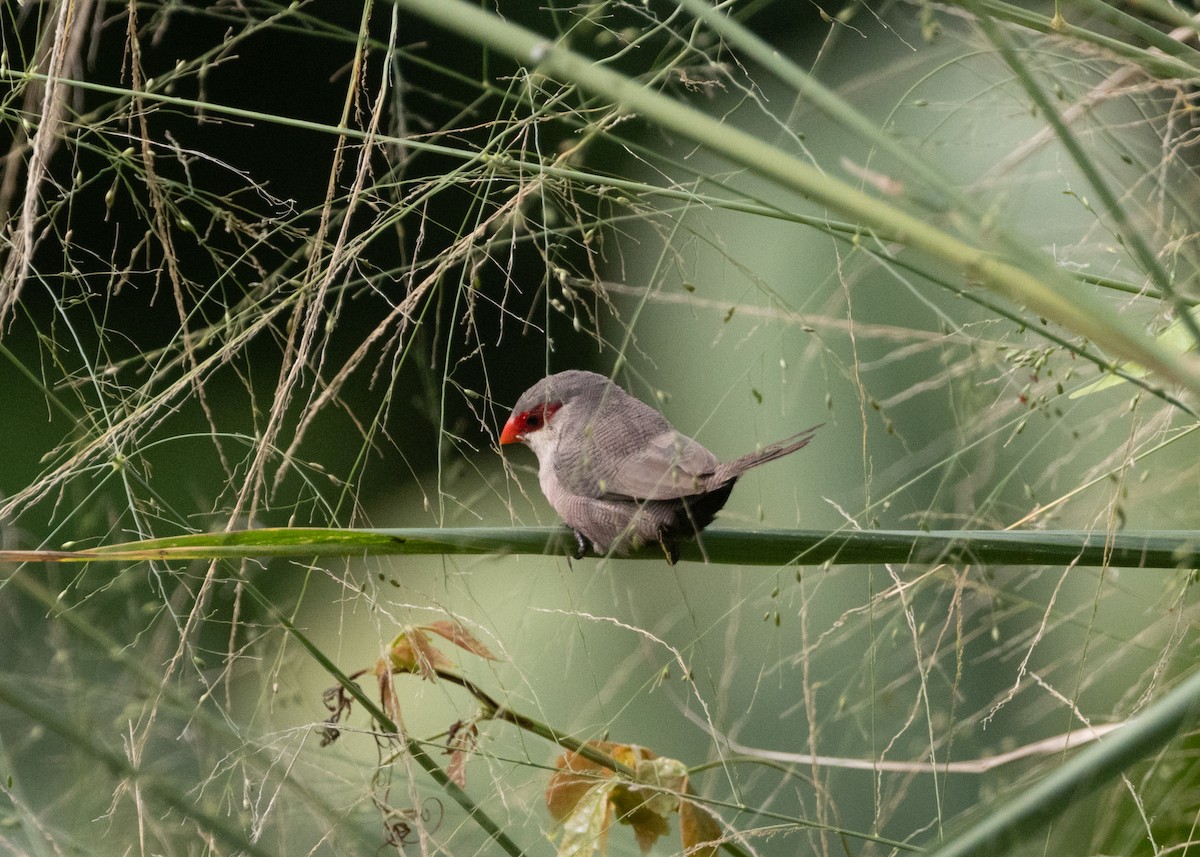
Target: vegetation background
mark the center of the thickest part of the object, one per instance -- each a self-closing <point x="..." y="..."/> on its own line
<point x="274" y="264"/>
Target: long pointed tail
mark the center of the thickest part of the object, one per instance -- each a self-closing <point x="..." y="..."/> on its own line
<point x="735" y="468"/>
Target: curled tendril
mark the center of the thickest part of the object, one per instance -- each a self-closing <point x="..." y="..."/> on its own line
<point x="402" y="831"/>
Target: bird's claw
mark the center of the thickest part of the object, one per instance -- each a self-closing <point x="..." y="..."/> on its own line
<point x="580" y="545"/>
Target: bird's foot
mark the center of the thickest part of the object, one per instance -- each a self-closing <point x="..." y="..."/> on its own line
<point x="671" y="550"/>
<point x="580" y="545"/>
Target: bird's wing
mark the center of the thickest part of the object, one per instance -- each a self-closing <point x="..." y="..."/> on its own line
<point x="664" y="467"/>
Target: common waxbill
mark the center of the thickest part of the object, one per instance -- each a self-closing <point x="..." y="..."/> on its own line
<point x="616" y="471"/>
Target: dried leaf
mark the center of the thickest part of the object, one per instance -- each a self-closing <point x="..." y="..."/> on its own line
<point x="339" y="704"/>
<point x="700" y="830"/>
<point x="457" y="769"/>
<point x="585" y="829"/>
<point x="461" y="637"/>
<point x="412" y="652"/>
<point x="573" y="780"/>
<point x="387" y="692"/>
<point x="669" y="776"/>
<point x="635" y="807"/>
<point x="463" y="739"/>
<point x="645" y="806"/>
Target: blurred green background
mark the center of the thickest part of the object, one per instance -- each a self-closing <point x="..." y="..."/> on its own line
<point x="236" y="321"/>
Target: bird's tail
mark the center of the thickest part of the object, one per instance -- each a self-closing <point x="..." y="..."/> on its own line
<point x="735" y="468"/>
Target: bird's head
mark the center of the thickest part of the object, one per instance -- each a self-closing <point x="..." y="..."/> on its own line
<point x="525" y="422"/>
<point x="544" y="409"/>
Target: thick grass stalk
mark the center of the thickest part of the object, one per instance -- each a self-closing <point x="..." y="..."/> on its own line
<point x="1129" y="549"/>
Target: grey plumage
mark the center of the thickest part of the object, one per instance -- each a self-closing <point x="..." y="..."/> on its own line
<point x="616" y="471"/>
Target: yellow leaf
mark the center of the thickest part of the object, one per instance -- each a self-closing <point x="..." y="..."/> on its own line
<point x="664" y="773"/>
<point x="645" y="805"/>
<point x="585" y="829"/>
<point x="573" y="780"/>
<point x="635" y="807"/>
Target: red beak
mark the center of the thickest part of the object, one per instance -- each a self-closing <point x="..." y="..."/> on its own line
<point x="511" y="433"/>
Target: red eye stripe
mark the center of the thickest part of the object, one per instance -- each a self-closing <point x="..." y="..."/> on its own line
<point x="526" y="422"/>
<point x="539" y="416"/>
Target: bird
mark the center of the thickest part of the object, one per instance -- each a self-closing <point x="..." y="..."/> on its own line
<point x="616" y="472"/>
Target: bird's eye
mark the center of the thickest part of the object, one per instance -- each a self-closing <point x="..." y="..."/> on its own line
<point x="537" y="418"/>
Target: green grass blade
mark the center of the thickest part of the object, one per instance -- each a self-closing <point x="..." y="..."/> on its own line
<point x="1131" y="549"/>
<point x="1045" y="801"/>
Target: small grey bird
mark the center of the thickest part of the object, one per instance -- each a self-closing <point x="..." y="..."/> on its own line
<point x="616" y="471"/>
